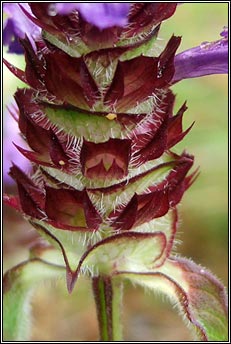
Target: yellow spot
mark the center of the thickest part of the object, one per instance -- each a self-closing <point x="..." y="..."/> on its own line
<point x="61" y="162"/>
<point x="111" y="116"/>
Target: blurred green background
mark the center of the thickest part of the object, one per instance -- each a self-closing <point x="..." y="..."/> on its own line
<point x="203" y="211"/>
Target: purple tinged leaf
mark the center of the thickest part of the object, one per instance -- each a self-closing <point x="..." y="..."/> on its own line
<point x="156" y="146"/>
<point x="208" y="58"/>
<point x="176" y="178"/>
<point x="141" y="209"/>
<point x="31" y="198"/>
<point x="34" y="157"/>
<point x="116" y="89"/>
<point x="16" y="71"/>
<point x="30" y="192"/>
<point x="124" y="250"/>
<point x="166" y="67"/>
<point x="189" y="180"/>
<point x="65" y="206"/>
<point x="177" y="182"/>
<point x="71" y="207"/>
<point x="108" y="160"/>
<point x="175" y="129"/>
<point x="162" y="134"/>
<point x="154" y="201"/>
<point x="144" y="16"/>
<point x="25" y="106"/>
<point x="69" y="84"/>
<point x="64" y="209"/>
<point x="137" y="78"/>
<point x="90" y="88"/>
<point x="48" y="150"/>
<point x="36" y="136"/>
<point x="200" y="297"/>
<point x="144" y="137"/>
<point x="72" y="84"/>
<point x="112" y="254"/>
<point x="34" y="66"/>
<point x="146" y="249"/>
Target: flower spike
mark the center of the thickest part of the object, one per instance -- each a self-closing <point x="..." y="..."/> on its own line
<point x="98" y="122"/>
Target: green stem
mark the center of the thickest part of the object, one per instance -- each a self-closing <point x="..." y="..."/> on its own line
<point x="108" y="297"/>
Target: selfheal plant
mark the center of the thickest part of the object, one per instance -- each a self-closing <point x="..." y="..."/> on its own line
<point x="98" y="119"/>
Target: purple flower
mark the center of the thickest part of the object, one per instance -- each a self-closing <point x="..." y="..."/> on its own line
<point x="18" y="26"/>
<point x="208" y="58"/>
<point x="10" y="153"/>
<point x="102" y="15"/>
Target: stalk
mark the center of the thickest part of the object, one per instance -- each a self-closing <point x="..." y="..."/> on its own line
<point x="108" y="299"/>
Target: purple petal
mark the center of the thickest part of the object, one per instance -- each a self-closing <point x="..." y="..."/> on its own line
<point x="18" y="26"/>
<point x="225" y="32"/>
<point x="9" y="38"/>
<point x="63" y="8"/>
<point x="102" y="15"/>
<point x="10" y="153"/>
<point x="208" y="58"/>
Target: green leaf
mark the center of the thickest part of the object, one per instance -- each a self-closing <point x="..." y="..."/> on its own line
<point x="18" y="286"/>
<point x="200" y="297"/>
<point x="125" y="251"/>
<point x="92" y="126"/>
<point x="74" y="50"/>
<point x="145" y="49"/>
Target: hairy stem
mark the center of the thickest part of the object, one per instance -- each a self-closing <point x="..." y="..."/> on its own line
<point x="108" y="297"/>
